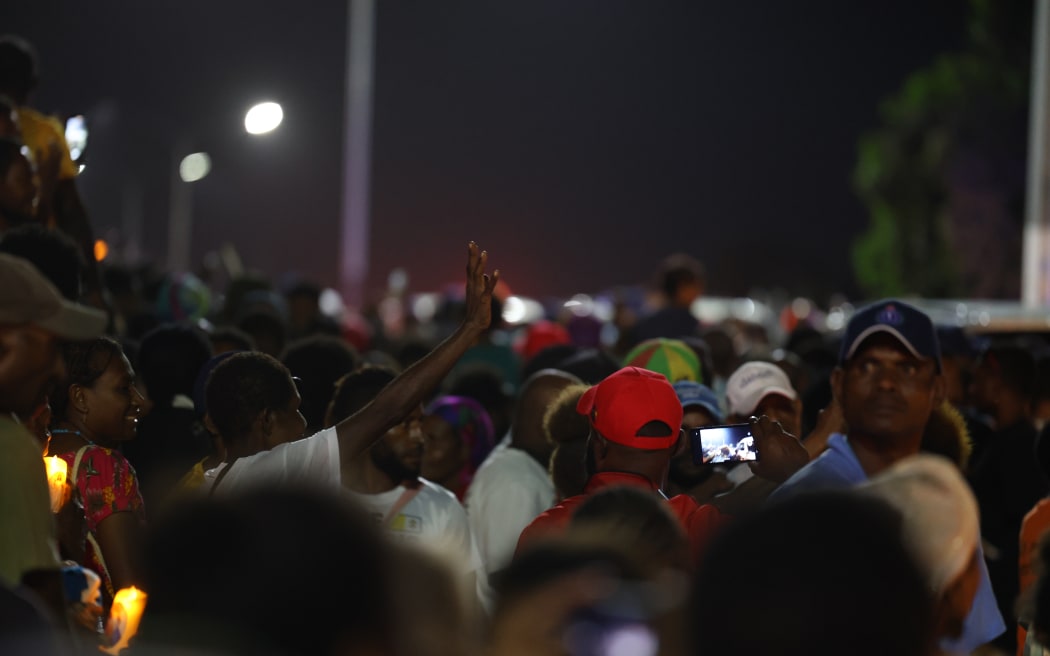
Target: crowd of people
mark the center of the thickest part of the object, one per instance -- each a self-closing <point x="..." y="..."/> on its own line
<point x="276" y="480"/>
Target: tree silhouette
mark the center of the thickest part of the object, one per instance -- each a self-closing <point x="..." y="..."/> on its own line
<point x="943" y="178"/>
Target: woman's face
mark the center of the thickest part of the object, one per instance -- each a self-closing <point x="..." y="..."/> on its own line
<point x="443" y="452"/>
<point x="113" y="403"/>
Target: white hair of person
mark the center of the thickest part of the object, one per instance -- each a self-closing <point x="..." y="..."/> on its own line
<point x="941" y="521"/>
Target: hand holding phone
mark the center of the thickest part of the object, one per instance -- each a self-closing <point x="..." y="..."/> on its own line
<point x="730" y="443"/>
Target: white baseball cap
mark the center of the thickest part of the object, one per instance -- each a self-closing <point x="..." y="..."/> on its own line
<point x="754" y="381"/>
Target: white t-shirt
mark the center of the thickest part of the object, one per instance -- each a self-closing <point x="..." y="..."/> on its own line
<point x="508" y="491"/>
<point x="432" y="519"/>
<point x="310" y="461"/>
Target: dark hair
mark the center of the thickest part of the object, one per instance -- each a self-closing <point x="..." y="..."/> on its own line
<point x="326" y="571"/>
<point x="85" y="363"/>
<point x="548" y="358"/>
<point x="844" y="563"/>
<point x="240" y="339"/>
<point x="52" y="252"/>
<point x="318" y="361"/>
<point x="266" y="328"/>
<point x="1016" y="366"/>
<point x="639" y="521"/>
<point x="567" y="430"/>
<point x="170" y="356"/>
<point x="678" y="270"/>
<point x="241" y="387"/>
<point x="356" y="390"/>
<point x="18" y="67"/>
<point x="591" y="365"/>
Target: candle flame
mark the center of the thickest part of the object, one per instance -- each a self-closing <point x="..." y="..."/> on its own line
<point x="124" y="617"/>
<point x="56" y="481"/>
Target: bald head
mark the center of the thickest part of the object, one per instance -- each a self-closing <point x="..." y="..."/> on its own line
<point x="536" y="395"/>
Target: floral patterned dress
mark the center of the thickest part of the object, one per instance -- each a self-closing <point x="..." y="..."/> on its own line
<point x="106" y="484"/>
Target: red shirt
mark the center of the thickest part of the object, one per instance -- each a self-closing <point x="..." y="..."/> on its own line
<point x="699" y="522"/>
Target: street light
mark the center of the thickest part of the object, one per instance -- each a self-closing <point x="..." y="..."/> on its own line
<point x="194" y="167"/>
<point x="260" y="119"/>
<point x="263" y="118"/>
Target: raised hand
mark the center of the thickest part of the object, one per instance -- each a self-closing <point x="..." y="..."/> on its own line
<point x="480" y="286"/>
<point x="780" y="453"/>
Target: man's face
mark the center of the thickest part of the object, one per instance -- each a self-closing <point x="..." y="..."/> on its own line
<point x="30" y="367"/>
<point x="399" y="453"/>
<point x="443" y="454"/>
<point x="781" y="408"/>
<point x="886" y="392"/>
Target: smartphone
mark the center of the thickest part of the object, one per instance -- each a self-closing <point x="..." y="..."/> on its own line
<point x="719" y="444"/>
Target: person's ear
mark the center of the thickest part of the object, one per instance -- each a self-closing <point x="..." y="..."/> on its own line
<point x="210" y="425"/>
<point x="598" y="446"/>
<point x="78" y="398"/>
<point x="264" y="422"/>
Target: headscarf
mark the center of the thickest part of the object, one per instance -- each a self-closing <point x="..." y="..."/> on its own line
<point x="472" y="424"/>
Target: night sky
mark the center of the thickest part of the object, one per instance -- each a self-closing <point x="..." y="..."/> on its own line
<point x="578" y="141"/>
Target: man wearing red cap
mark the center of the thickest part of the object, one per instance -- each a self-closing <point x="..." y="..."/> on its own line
<point x="635" y="418"/>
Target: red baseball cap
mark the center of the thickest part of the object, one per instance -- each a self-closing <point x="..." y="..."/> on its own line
<point x="619" y="406"/>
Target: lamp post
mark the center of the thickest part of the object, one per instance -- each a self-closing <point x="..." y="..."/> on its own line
<point x="187" y="169"/>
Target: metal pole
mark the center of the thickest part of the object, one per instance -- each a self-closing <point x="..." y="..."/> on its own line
<point x="360" y="53"/>
<point x="1036" y="263"/>
<point x="180" y="214"/>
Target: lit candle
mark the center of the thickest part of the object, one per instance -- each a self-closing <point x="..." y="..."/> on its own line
<point x="56" y="481"/>
<point x="124" y="617"/>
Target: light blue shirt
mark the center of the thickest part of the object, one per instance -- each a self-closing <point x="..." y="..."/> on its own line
<point x="837" y="468"/>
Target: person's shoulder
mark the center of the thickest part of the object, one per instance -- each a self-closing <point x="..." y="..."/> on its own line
<point x="435" y="492"/>
<point x="17" y="439"/>
<point x="549" y="520"/>
<point x="834" y="468"/>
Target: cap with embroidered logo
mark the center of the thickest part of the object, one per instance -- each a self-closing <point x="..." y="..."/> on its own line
<point x="908" y="324"/>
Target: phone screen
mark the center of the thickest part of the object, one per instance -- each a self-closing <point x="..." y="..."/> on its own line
<point x="719" y="444"/>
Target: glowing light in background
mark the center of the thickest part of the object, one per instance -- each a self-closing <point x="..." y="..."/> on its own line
<point x="519" y="310"/>
<point x="331" y="303"/>
<point x="263" y="118"/>
<point x="101" y="249"/>
<point x="194" y="167"/>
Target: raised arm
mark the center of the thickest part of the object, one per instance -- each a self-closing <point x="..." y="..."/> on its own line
<point x="359" y="431"/>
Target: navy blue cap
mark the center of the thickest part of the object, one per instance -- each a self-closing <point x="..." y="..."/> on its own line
<point x="691" y="393"/>
<point x="908" y="324"/>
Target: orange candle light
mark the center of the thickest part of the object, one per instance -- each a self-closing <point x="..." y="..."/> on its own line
<point x="124" y="617"/>
<point x="56" y="481"/>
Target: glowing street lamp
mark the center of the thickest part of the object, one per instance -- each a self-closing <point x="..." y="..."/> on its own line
<point x="260" y="119"/>
<point x="194" y="167"/>
<point x="263" y="118"/>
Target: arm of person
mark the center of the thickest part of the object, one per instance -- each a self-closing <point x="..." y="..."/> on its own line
<point x="781" y="456"/>
<point x="356" y="433"/>
<point x="829" y="422"/>
<point x="119" y="539"/>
